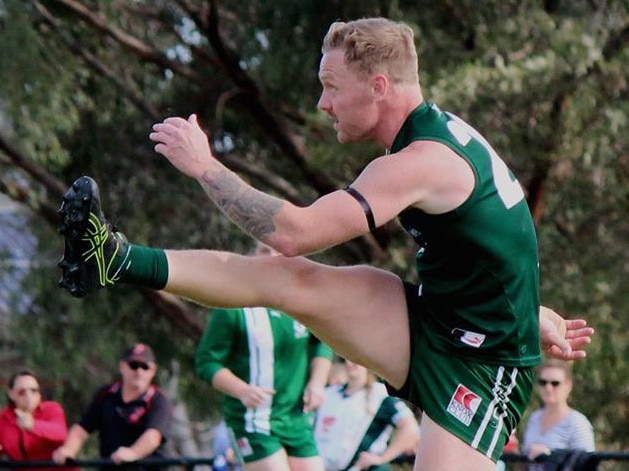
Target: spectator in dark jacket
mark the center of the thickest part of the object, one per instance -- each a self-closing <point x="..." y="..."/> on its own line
<point x="132" y="415"/>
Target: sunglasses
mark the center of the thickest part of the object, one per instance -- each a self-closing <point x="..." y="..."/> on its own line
<point x="22" y="392"/>
<point x="543" y="383"/>
<point x="134" y="365"/>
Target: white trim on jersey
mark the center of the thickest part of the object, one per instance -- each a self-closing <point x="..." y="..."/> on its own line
<point x="497" y="409"/>
<point x="261" y="366"/>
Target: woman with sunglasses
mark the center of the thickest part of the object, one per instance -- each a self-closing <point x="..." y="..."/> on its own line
<point x="30" y="429"/>
<point x="556" y="425"/>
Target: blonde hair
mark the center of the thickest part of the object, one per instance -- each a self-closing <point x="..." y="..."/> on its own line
<point x="376" y="46"/>
<point x="559" y="364"/>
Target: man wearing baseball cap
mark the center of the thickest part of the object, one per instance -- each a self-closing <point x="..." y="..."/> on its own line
<point x="132" y="415"/>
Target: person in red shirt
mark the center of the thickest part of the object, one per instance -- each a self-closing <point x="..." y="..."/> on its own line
<point x="30" y="429"/>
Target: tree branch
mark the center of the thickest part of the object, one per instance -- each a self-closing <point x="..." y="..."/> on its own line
<point x="126" y="88"/>
<point x="536" y="186"/>
<point x="134" y="45"/>
<point x="37" y="172"/>
<point x="249" y="95"/>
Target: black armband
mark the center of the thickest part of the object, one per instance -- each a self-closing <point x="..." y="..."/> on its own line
<point x="366" y="208"/>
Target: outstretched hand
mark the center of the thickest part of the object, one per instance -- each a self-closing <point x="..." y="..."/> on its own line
<point x="184" y="144"/>
<point x="564" y="339"/>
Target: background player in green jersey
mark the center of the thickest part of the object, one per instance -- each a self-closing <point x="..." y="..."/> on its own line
<point x="273" y="373"/>
<point x="477" y="320"/>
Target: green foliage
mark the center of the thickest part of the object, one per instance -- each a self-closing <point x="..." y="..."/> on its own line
<point x="546" y="82"/>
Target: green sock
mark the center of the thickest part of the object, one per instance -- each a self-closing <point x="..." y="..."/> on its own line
<point x="144" y="266"/>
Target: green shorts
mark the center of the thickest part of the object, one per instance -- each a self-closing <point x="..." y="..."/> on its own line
<point x="294" y="434"/>
<point x="478" y="402"/>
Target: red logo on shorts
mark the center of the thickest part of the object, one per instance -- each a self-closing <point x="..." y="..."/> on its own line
<point x="464" y="404"/>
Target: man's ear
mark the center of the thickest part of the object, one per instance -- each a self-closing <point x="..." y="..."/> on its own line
<point x="380" y="86"/>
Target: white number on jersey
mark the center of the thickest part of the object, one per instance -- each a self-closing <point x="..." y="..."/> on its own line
<point x="509" y="189"/>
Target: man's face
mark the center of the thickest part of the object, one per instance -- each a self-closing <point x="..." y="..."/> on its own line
<point x="347" y="99"/>
<point x="137" y="375"/>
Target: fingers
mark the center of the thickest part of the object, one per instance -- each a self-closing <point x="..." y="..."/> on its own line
<point x="579" y="342"/>
<point x="575" y="323"/>
<point x="570" y="345"/>
<point x="565" y="347"/>
<point x="164" y="134"/>
<point x="162" y="130"/>
<point x="174" y="121"/>
<point x="307" y="407"/>
<point x="577" y="355"/>
<point x="585" y="332"/>
<point x="256" y="395"/>
<point x="558" y="342"/>
<point x="569" y="355"/>
<point x="160" y="148"/>
<point x="559" y="354"/>
<point x="168" y="127"/>
<point x="60" y="456"/>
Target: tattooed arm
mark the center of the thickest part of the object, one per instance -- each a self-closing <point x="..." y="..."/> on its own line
<point x="251" y="209"/>
<point x="388" y="185"/>
<point x="290" y="229"/>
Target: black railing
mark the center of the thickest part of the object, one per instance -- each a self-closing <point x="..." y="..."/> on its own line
<point x="187" y="463"/>
<point x="557" y="461"/>
<point x="573" y="460"/>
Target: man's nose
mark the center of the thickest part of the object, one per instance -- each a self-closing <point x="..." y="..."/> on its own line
<point x="323" y="103"/>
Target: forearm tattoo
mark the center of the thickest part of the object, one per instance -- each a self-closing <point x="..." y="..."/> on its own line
<point x="251" y="209"/>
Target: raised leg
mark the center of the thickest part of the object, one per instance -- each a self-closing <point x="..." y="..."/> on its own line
<point x="358" y="311"/>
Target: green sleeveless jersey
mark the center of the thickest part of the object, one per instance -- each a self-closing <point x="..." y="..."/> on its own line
<point x="263" y="347"/>
<point x="477" y="264"/>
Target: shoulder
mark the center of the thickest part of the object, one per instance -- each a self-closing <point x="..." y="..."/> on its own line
<point x="579" y="419"/>
<point x="415" y="176"/>
<point x="6" y="412"/>
<point x="223" y="319"/>
<point x="397" y="408"/>
<point x="159" y="392"/>
<point x="380" y="389"/>
<point x="535" y="416"/>
<point x="161" y="398"/>
<point x="50" y="406"/>
<point x="106" y="391"/>
<point x="420" y="154"/>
